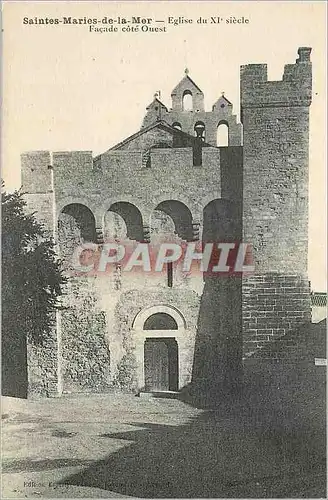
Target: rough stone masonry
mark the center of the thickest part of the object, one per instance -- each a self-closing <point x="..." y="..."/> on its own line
<point x="175" y="179"/>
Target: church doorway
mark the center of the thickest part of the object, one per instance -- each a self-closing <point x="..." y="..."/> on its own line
<point x="160" y="348"/>
<point x="161" y="364"/>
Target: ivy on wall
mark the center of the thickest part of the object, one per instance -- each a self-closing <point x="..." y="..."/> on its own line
<point x="85" y="352"/>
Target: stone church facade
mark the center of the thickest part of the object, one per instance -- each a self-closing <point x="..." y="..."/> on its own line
<point x="172" y="180"/>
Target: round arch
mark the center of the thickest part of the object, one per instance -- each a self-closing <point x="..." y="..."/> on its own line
<point x="174" y="337"/>
<point x="160" y="321"/>
<point x="187" y="100"/>
<point x="223" y="122"/>
<point x="190" y="205"/>
<point x="83" y="217"/>
<point x="200" y="130"/>
<point x="224" y="202"/>
<point x="144" y="314"/>
<point x="132" y="217"/>
<point x="124" y="199"/>
<point x="222" y="134"/>
<point x="211" y="196"/>
<point x="71" y="200"/>
<point x="180" y="215"/>
<point x="76" y="224"/>
<point x="120" y="199"/>
<point x="177" y="125"/>
<point x="221" y="221"/>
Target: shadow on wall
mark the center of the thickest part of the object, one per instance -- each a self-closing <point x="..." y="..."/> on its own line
<point x="14" y="378"/>
<point x="217" y="367"/>
<point x="287" y="370"/>
<point x="239" y="451"/>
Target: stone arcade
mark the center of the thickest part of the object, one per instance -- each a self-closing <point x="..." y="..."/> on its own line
<point x="173" y="180"/>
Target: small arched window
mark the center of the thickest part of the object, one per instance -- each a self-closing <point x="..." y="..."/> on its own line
<point x="187" y="104"/>
<point x="222" y="138"/>
<point x="199" y="130"/>
<point x="177" y="125"/>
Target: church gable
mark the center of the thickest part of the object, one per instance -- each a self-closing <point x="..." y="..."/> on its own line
<point x="186" y="84"/>
<point x="223" y="104"/>
<point x="146" y="138"/>
<point x="156" y="105"/>
<point x="156" y="111"/>
<point x="157" y="135"/>
<point x="185" y="91"/>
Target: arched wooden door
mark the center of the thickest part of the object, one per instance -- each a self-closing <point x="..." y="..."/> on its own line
<point x="161" y="364"/>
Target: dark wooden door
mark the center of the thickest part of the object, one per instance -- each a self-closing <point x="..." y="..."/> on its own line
<point x="156" y="365"/>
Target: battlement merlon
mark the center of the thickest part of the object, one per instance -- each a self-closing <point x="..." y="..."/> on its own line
<point x="42" y="170"/>
<point x="295" y="88"/>
<point x="36" y="176"/>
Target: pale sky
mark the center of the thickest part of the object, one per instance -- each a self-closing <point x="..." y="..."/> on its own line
<point x="68" y="89"/>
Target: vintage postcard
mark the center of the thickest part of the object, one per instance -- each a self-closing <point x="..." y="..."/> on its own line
<point x="164" y="290"/>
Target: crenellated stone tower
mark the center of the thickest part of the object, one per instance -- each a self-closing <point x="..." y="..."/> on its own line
<point x="275" y="117"/>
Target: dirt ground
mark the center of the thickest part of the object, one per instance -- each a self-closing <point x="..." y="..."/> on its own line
<point x="101" y="446"/>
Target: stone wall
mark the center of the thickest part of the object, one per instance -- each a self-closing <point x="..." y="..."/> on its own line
<point x="85" y="352"/>
<point x="273" y="305"/>
<point x="131" y="303"/>
<point x="286" y="376"/>
<point x="43" y="361"/>
<point x="43" y="365"/>
<point x="36" y="172"/>
<point x="276" y="186"/>
<point x="102" y="349"/>
<point x="171" y="176"/>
